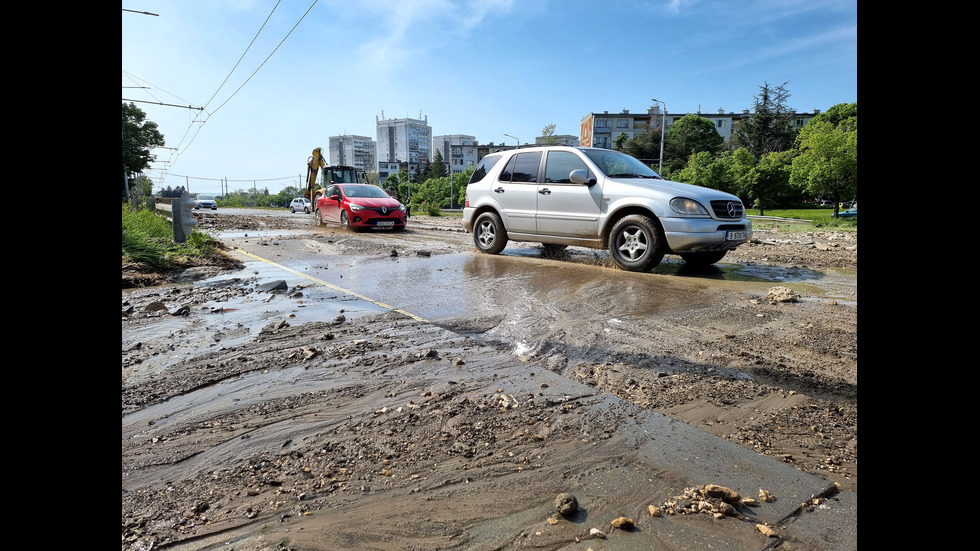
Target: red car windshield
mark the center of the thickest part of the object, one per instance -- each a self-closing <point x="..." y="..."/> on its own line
<point x="364" y="191"/>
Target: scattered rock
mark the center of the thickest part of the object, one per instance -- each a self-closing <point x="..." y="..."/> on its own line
<point x="726" y="494"/>
<point x="782" y="294"/>
<point x="278" y="286"/>
<point x="622" y="523"/>
<point x="566" y="504"/>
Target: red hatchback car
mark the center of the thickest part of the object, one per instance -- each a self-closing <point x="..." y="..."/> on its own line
<point x="359" y="206"/>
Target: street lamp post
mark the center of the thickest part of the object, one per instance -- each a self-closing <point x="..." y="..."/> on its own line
<point x="663" y="121"/>
<point x="515" y="139"/>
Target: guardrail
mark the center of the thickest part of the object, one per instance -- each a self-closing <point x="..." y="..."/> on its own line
<point x="183" y="221"/>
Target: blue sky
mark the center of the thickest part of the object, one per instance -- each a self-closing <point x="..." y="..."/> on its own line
<point x="276" y="78"/>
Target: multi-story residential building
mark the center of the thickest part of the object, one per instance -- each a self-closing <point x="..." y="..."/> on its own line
<point x="459" y="151"/>
<point x="356" y="151"/>
<point x="485" y="149"/>
<point x="406" y="142"/>
<point x="602" y="129"/>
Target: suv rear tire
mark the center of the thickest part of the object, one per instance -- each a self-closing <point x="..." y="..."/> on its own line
<point x="489" y="234"/>
<point x="637" y="243"/>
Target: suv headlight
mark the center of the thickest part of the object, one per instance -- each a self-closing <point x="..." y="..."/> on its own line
<point x="683" y="205"/>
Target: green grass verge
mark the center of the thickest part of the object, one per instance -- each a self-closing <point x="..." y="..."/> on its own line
<point x="817" y="219"/>
<point x="148" y="239"/>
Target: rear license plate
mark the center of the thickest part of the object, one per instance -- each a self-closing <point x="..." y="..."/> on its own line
<point x="734" y="236"/>
<point x="386" y="222"/>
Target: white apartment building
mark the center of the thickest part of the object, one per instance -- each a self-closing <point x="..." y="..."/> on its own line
<point x="405" y="142"/>
<point x="356" y="151"/>
<point x="459" y="151"/>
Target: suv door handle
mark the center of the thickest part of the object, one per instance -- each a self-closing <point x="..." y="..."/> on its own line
<point x="544" y="191"/>
<point x="499" y="190"/>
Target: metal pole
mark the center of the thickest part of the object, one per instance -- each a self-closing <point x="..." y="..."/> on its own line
<point x="663" y="122"/>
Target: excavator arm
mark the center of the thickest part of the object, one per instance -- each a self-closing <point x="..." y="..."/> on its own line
<point x="313" y="166"/>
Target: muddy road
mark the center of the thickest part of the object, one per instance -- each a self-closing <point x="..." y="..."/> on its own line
<point x="340" y="390"/>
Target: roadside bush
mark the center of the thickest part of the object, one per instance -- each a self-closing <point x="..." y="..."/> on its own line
<point x="431" y="209"/>
<point x="147" y="238"/>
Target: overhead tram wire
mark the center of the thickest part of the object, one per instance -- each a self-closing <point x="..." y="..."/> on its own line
<point x="203" y="109"/>
<point x="253" y="72"/>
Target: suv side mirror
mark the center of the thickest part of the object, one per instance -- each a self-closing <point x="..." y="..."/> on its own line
<point x="580" y="176"/>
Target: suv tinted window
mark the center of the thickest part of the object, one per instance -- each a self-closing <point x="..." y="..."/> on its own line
<point x="560" y="164"/>
<point x="485" y="165"/>
<point x="523" y="167"/>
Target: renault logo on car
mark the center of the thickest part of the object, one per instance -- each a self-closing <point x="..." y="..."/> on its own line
<point x="384" y="210"/>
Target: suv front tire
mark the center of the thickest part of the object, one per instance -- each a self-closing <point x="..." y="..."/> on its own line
<point x="637" y="243"/>
<point x="489" y="234"/>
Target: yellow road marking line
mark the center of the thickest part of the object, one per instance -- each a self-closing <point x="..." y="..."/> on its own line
<point x="332" y="286"/>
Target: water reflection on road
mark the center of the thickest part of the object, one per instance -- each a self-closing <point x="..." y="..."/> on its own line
<point x="470" y="284"/>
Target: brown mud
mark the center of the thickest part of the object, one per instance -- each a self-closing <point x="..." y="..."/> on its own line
<point x="353" y="423"/>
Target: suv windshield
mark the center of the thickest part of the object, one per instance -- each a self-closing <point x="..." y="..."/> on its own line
<point x="205" y="198"/>
<point x="619" y="165"/>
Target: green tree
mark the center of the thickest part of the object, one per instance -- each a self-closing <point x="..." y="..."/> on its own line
<point x="548" y="133"/>
<point x="827" y="161"/>
<point x="460" y="181"/>
<point x="740" y="168"/>
<point x="619" y="144"/>
<point x="287" y="194"/>
<point x="769" y="128"/>
<point x="644" y="147"/>
<point x="768" y="183"/>
<point x="138" y="137"/>
<point x="436" y="169"/>
<point x="421" y="169"/>
<point x="170" y="192"/>
<point x="836" y="115"/>
<point x="706" y="170"/>
<point x="400" y="186"/>
<point x="433" y="193"/>
<point x="692" y="134"/>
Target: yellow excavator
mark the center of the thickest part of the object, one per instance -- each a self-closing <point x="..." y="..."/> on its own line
<point x="336" y="174"/>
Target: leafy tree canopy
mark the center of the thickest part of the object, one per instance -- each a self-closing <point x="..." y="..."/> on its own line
<point x="827" y="163"/>
<point x="138" y="137"/>
<point x="437" y="168"/>
<point x="692" y="134"/>
<point x="769" y="128"/>
<point x="548" y="133"/>
<point x="644" y="147"/>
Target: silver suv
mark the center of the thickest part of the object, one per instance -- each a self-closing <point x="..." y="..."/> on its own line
<point x="598" y="198"/>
